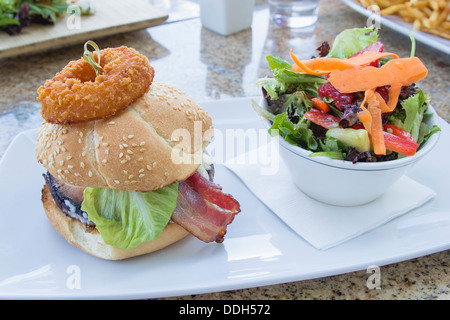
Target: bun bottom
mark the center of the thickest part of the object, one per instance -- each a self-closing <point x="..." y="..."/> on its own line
<point x="91" y="242"/>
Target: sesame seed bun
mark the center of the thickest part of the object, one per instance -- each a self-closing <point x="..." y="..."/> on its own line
<point x="92" y="242"/>
<point x="135" y="150"/>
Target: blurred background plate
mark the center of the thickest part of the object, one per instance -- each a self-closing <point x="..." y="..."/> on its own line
<point x="110" y="17"/>
<point x="397" y="24"/>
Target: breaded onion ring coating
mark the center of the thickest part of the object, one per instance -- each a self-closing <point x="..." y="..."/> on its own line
<point x="76" y="94"/>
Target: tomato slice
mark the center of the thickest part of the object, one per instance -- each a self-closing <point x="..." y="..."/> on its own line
<point x="398" y="132"/>
<point x="396" y="139"/>
<point x="377" y="47"/>
<point x="399" y="144"/>
<point x="322" y="119"/>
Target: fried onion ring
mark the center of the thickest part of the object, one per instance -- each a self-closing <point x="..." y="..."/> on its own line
<point x="76" y="94"/>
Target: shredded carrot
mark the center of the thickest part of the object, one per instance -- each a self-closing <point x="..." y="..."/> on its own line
<point x="376" y="133"/>
<point x="322" y="66"/>
<point x="374" y="99"/>
<point x="296" y="68"/>
<point x="399" y="71"/>
<point x="366" y="118"/>
<point x="394" y="93"/>
<point x="320" y="104"/>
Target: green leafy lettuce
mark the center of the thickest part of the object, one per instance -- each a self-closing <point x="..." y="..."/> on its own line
<point x="412" y="115"/>
<point x="125" y="219"/>
<point x="296" y="134"/>
<point x="351" y="41"/>
<point x="414" y="107"/>
<point x="8" y="10"/>
<point x="285" y="80"/>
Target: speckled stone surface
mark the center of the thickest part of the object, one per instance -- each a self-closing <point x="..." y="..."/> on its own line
<point x="208" y="67"/>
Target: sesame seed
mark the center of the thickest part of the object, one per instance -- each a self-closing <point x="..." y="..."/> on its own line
<point x="131" y="136"/>
<point x="123" y="161"/>
<point x="131" y="176"/>
<point x="142" y="170"/>
<point x="82" y="164"/>
<point x="70" y="166"/>
<point x="90" y="174"/>
<point x="61" y="163"/>
<point x="121" y="155"/>
<point x="129" y="152"/>
<point x="141" y="175"/>
<point x="104" y="161"/>
<point x="127" y="157"/>
<point x="125" y="145"/>
<point x="117" y="181"/>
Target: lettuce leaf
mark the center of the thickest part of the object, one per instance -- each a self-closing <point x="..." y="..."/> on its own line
<point x="351" y="41"/>
<point x="296" y="134"/>
<point x="125" y="219"/>
<point x="285" y="80"/>
<point x="414" y="107"/>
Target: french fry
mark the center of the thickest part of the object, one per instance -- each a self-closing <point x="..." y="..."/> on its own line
<point x="432" y="16"/>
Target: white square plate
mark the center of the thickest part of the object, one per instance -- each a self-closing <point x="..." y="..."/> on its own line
<point x="259" y="249"/>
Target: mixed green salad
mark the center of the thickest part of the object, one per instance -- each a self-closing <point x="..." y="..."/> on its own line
<point x="17" y="14"/>
<point x="311" y="105"/>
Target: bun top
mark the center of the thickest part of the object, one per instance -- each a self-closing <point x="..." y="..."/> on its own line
<point x="156" y="141"/>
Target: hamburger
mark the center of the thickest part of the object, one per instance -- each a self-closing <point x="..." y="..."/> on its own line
<point x="136" y="181"/>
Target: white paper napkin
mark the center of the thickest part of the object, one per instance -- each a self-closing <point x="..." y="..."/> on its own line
<point x="323" y="225"/>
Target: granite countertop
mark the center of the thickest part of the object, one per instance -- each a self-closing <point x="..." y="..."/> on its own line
<point x="208" y="67"/>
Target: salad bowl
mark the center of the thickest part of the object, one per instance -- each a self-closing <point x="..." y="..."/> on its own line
<point x="352" y="121"/>
<point x="344" y="183"/>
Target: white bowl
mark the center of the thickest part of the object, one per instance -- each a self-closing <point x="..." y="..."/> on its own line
<point x="343" y="183"/>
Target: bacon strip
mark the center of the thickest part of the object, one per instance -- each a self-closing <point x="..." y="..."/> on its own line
<point x="212" y="192"/>
<point x="203" y="209"/>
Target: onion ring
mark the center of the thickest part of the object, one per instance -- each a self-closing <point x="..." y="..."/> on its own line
<point x="76" y="94"/>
